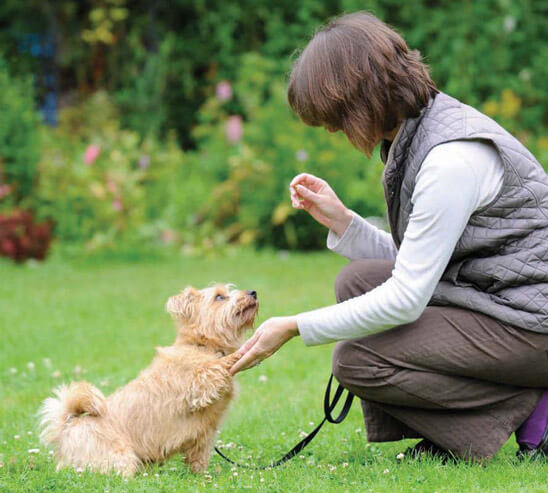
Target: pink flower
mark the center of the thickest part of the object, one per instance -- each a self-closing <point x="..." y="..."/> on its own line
<point x="92" y="153"/>
<point x="234" y="128"/>
<point x="223" y="91"/>
<point x="111" y="186"/>
<point x="5" y="190"/>
<point x="168" y="236"/>
<point x="117" y="205"/>
<point x="144" y="162"/>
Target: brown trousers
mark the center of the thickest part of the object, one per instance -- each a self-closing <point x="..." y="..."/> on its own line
<point x="461" y="379"/>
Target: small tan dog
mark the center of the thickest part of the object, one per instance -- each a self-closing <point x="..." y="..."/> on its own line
<point x="173" y="406"/>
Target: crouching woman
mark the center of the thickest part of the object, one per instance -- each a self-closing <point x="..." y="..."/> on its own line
<point x="444" y="322"/>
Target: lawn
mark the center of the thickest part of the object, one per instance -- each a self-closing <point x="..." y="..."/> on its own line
<point x="100" y="319"/>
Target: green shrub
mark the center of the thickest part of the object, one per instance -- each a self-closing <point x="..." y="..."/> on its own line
<point x="103" y="185"/>
<point x="19" y="138"/>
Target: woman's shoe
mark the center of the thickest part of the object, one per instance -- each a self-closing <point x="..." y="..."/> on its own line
<point x="540" y="451"/>
<point x="426" y="448"/>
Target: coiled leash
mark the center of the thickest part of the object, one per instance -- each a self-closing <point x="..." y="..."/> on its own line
<point x="328" y="407"/>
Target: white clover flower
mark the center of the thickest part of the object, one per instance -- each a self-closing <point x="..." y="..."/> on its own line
<point x="30" y="366"/>
<point x="145" y="474"/>
<point x="358" y="430"/>
<point x="56" y="374"/>
<point x="400" y="456"/>
<point x="386" y="471"/>
<point x="34" y="450"/>
<point x="13" y="371"/>
<point x="16" y="437"/>
<point x="263" y="378"/>
<point x="46" y="362"/>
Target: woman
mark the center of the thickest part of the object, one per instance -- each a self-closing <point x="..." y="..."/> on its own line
<point x="443" y="323"/>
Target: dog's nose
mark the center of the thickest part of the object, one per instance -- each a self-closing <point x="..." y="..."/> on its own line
<point x="252" y="293"/>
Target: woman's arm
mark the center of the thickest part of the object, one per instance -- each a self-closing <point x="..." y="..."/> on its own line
<point x="447" y="191"/>
<point x="361" y="240"/>
<point x="349" y="234"/>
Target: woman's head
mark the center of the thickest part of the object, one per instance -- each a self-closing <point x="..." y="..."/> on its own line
<point x="359" y="76"/>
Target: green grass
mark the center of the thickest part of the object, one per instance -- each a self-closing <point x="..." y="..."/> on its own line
<point x="101" y="319"/>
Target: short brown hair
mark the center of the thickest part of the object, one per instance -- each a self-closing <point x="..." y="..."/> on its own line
<point x="358" y="75"/>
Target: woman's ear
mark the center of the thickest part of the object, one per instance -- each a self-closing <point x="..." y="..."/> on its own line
<point x="184" y="306"/>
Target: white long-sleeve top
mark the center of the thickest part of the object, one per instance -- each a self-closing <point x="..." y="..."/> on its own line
<point x="455" y="179"/>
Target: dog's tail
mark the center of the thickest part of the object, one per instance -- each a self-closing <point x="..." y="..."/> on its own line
<point x="69" y="402"/>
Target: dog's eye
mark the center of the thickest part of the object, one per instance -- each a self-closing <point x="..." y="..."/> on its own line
<point x="220" y="297"/>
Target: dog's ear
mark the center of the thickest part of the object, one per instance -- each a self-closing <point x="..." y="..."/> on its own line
<point x="184" y="304"/>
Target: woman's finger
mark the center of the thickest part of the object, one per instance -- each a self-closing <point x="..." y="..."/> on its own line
<point x="307" y="194"/>
<point x="248" y="360"/>
<point x="247" y="345"/>
<point x="303" y="178"/>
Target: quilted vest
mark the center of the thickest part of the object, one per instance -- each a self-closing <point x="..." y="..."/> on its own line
<point x="500" y="263"/>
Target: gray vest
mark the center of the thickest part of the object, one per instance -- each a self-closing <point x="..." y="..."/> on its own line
<point x="500" y="263"/>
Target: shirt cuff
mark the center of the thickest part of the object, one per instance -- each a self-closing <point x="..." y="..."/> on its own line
<point x="306" y="330"/>
<point x="338" y="244"/>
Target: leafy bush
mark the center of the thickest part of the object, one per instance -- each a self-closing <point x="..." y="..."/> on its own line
<point x="256" y="163"/>
<point x="19" y="138"/>
<point x="103" y="184"/>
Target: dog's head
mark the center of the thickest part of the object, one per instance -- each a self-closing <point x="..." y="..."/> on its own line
<point x="217" y="315"/>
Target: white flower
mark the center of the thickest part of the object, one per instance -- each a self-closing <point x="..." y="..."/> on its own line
<point x="263" y="378"/>
<point x="358" y="430"/>
<point x="345" y="464"/>
<point x="34" y="450"/>
<point x="145" y="474"/>
<point x="16" y="437"/>
<point x="30" y="366"/>
<point x="301" y="155"/>
<point x="56" y="374"/>
<point x="47" y="362"/>
<point x="77" y="370"/>
<point x="51" y="452"/>
<point x="79" y="469"/>
<point x="262" y="480"/>
<point x="400" y="456"/>
<point x="302" y="434"/>
<point x="156" y="475"/>
<point x="235" y="474"/>
<point x="509" y="23"/>
<point x="386" y="471"/>
<point x="29" y="433"/>
<point x="13" y="371"/>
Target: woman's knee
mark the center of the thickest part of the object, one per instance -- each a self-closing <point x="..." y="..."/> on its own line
<point x="360" y="276"/>
<point x="341" y="356"/>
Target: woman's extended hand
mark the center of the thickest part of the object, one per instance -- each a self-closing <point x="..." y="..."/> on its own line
<point x="268" y="338"/>
<point x="316" y="197"/>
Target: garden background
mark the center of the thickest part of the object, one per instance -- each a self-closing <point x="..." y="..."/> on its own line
<point x="145" y="145"/>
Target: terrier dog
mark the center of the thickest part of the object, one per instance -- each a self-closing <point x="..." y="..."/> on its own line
<point x="173" y="406"/>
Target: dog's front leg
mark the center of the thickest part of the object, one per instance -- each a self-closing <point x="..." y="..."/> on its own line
<point x="197" y="456"/>
<point x="209" y="384"/>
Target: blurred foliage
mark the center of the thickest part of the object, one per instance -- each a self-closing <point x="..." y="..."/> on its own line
<point x="162" y="58"/>
<point x="19" y="138"/>
<point x="138" y="81"/>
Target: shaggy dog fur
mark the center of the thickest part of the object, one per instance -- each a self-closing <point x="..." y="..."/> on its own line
<point x="173" y="406"/>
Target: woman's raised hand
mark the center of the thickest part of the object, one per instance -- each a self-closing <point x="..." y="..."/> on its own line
<point x="316" y="197"/>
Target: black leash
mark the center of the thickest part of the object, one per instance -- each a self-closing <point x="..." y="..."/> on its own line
<point x="328" y="407"/>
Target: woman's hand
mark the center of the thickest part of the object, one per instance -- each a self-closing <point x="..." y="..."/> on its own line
<point x="268" y="338"/>
<point x="316" y="197"/>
